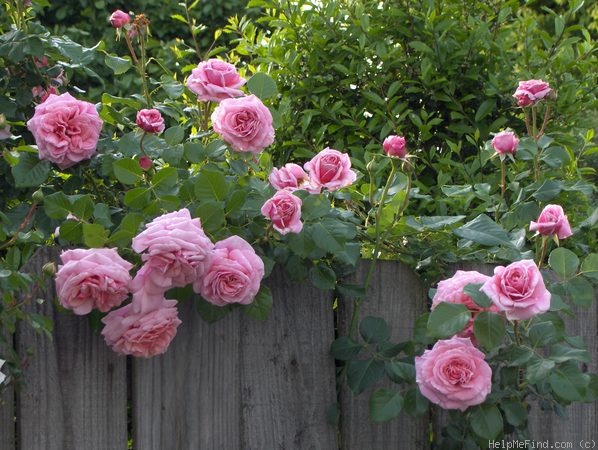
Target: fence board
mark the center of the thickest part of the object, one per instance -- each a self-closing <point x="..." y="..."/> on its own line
<point x="397" y="295"/>
<point x="7" y="416"/>
<point x="240" y="383"/>
<point x="75" y="391"/>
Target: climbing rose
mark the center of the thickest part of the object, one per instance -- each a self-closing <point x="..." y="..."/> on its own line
<point x="135" y="332"/>
<point x="518" y="290"/>
<point x="330" y="169"/>
<point x="505" y="142"/>
<point x="175" y="249"/>
<point x="66" y="130"/>
<point x="292" y="177"/>
<point x="244" y="123"/>
<point x="92" y="278"/>
<point x="552" y="221"/>
<point x="284" y="210"/>
<point x="453" y="374"/>
<point x="119" y="19"/>
<point x="233" y="275"/>
<point x="451" y="290"/>
<point x="215" y="80"/>
<point x="531" y="91"/>
<point x="395" y="146"/>
<point x="150" y="120"/>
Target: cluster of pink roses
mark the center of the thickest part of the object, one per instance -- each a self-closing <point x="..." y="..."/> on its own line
<point x="244" y="122"/>
<point x="329" y="169"/>
<point x="454" y="374"/>
<point x="175" y="252"/>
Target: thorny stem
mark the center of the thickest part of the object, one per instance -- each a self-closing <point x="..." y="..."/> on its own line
<point x="503" y="170"/>
<point x="142" y="73"/>
<point x="528" y="127"/>
<point x="131" y="49"/>
<point x="543" y="251"/>
<point x="195" y="43"/>
<point x="24" y="224"/>
<point x="544" y="122"/>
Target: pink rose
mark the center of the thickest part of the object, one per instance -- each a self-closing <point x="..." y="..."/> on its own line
<point x="119" y="19"/>
<point x="145" y="163"/>
<point x="505" y="142"/>
<point x="518" y="289"/>
<point x="215" y="80"/>
<point x="92" y="278"/>
<point x="451" y="291"/>
<point x="65" y="129"/>
<point x="144" y="333"/>
<point x="175" y="248"/>
<point x="292" y="176"/>
<point x="552" y="220"/>
<point x="43" y="94"/>
<point x="234" y="274"/>
<point x="395" y="146"/>
<point x="284" y="210"/>
<point x="531" y="91"/>
<point x="150" y="120"/>
<point x="453" y="374"/>
<point x="330" y="169"/>
<point x="244" y="123"/>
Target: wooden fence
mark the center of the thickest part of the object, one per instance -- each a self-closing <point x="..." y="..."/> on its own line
<point x="235" y="384"/>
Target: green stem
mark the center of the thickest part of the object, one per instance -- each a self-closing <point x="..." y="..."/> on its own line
<point x="190" y="25"/>
<point x="141" y="68"/>
<point x="543" y="251"/>
<point x="377" y="245"/>
<point x="503" y="170"/>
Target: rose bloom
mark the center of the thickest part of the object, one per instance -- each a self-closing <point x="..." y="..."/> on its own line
<point x="518" y="290"/>
<point x="150" y="120"/>
<point x="395" y="146"/>
<point x="234" y="274"/>
<point x="292" y="177"/>
<point x="244" y="123"/>
<point x="330" y="169"/>
<point x="505" y="142"/>
<point x="145" y="163"/>
<point x="43" y="94"/>
<point x="215" y="80"/>
<point x="66" y="130"/>
<point x="453" y="374"/>
<point x="92" y="278"/>
<point x="451" y="291"/>
<point x="552" y="220"/>
<point x="144" y="333"/>
<point x="119" y="19"/>
<point x="531" y="91"/>
<point x="284" y="210"/>
<point x="175" y="249"/>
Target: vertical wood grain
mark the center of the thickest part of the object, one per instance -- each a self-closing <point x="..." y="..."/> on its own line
<point x="75" y="390"/>
<point x="7" y="413"/>
<point x="397" y="295"/>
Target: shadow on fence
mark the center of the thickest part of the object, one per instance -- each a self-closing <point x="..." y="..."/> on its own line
<point x="235" y="384"/>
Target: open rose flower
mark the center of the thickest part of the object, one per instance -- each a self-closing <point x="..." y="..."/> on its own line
<point x="292" y="177"/>
<point x="214" y="80"/>
<point x="284" y="210"/>
<point x="505" y="143"/>
<point x="531" y="91"/>
<point x="552" y="221"/>
<point x="92" y="278"/>
<point x="150" y="121"/>
<point x="234" y="274"/>
<point x="518" y="290"/>
<point x="451" y="291"/>
<point x="66" y="130"/>
<point x="175" y="249"/>
<point x="453" y="374"/>
<point x="330" y="169"/>
<point x="395" y="146"/>
<point x="141" y="333"/>
<point x="119" y="19"/>
<point x="244" y="123"/>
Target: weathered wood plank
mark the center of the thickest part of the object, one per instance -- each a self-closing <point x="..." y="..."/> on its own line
<point x="582" y="421"/>
<point x="75" y="393"/>
<point x="189" y="398"/>
<point x="397" y="295"/>
<point x="7" y="414"/>
<point x="240" y="383"/>
<point x="288" y="378"/>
